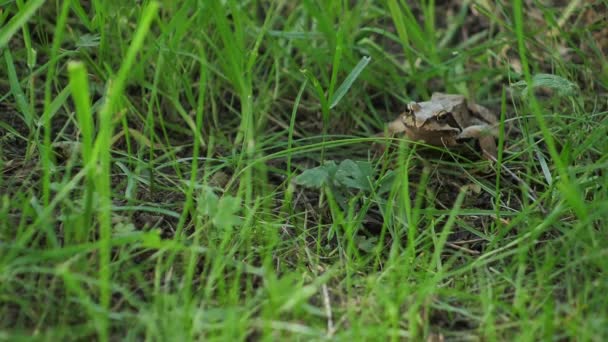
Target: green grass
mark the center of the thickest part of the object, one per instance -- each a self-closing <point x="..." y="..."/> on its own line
<point x="195" y="170"/>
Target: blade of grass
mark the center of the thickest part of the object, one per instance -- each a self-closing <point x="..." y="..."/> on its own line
<point x="336" y="64"/>
<point x="46" y="149"/>
<point x="421" y="41"/>
<point x="193" y="259"/>
<point x="292" y="123"/>
<point x="18" y="94"/>
<point x="402" y="31"/>
<point x="18" y="21"/>
<point x="79" y="86"/>
<point x="348" y="82"/>
<point x="102" y="156"/>
<point x="31" y="53"/>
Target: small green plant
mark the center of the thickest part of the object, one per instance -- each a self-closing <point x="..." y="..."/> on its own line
<point x="348" y="174"/>
<point x="558" y="84"/>
<point x="345" y="178"/>
<point x="221" y="211"/>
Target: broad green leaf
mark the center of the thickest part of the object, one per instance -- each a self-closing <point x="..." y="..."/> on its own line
<point x="355" y="174"/>
<point x="313" y="178"/>
<point x="318" y="176"/>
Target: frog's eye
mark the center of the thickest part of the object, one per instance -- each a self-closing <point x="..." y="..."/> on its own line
<point x="447" y="119"/>
<point x="443" y="117"/>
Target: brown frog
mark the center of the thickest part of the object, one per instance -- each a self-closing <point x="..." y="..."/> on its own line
<point x="447" y="120"/>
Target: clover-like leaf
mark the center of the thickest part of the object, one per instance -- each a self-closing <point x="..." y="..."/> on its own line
<point x="123" y="228"/>
<point x="366" y="244"/>
<point x="355" y="175"/>
<point x="318" y="176"/>
<point x="151" y="239"/>
<point x="207" y="202"/>
<point x="225" y="216"/>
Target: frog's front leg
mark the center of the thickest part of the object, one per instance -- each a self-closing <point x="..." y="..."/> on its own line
<point x="485" y="135"/>
<point x="396" y="126"/>
<point x="477" y="131"/>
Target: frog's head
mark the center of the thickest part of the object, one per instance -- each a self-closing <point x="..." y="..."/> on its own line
<point x="430" y="116"/>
